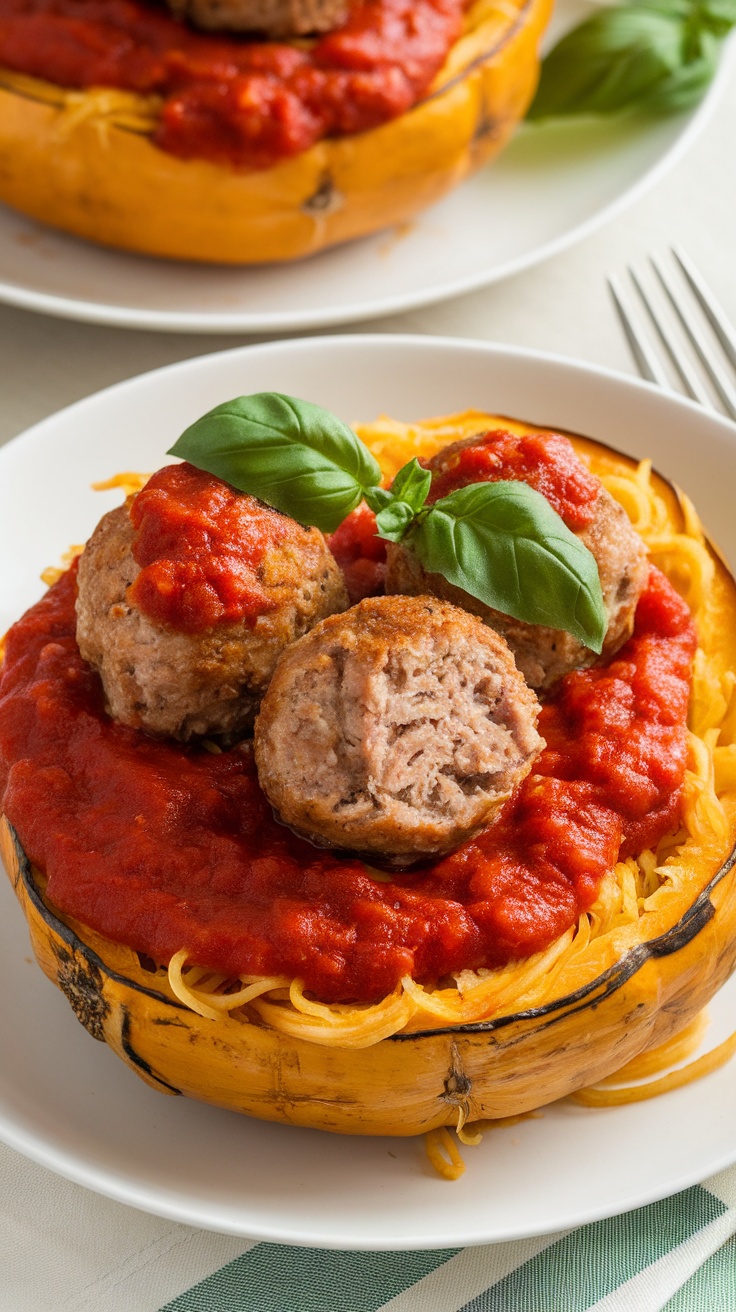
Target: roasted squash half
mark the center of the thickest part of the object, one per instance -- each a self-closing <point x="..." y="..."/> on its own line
<point x="630" y="989"/>
<point x="84" y="161"/>
<point x="412" y="1082"/>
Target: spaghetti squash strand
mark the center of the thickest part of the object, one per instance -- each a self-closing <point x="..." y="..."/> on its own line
<point x="444" y="1154"/>
<point x="710" y="1061"/>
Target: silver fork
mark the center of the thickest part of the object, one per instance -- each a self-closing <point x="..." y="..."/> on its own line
<point x="695" y="307"/>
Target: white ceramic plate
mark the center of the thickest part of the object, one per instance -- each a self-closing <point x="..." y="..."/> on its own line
<point x="553" y="186"/>
<point x="70" y="1104"/>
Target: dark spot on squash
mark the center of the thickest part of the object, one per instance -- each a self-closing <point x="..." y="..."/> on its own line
<point x="487" y="127"/>
<point x="457" y="1084"/>
<point x="81" y="983"/>
<point x="325" y="200"/>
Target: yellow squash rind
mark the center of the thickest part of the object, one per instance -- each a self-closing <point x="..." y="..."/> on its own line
<point x="84" y="161"/>
<point x="407" y="1084"/>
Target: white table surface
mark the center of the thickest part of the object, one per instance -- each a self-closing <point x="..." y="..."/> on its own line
<point x="563" y="306"/>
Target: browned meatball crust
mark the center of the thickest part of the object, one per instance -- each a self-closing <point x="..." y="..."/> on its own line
<point x="282" y="18"/>
<point x="542" y="654"/>
<point x="185" y="684"/>
<point x="396" y="729"/>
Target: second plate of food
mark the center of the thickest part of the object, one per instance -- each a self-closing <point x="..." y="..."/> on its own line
<point x="553" y="185"/>
<point x="70" y="1104"/>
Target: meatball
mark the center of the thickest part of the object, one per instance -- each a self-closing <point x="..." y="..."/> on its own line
<point x="207" y="676"/>
<point x="542" y="654"/>
<point x="274" y="17"/>
<point x="396" y="729"/>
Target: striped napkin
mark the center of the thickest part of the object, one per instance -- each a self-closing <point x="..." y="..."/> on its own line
<point x="62" y="1248"/>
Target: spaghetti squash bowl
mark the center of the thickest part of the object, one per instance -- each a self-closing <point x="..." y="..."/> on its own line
<point x="84" y="161"/>
<point x="636" y="969"/>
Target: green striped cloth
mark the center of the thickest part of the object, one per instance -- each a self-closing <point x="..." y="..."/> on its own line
<point x="63" y="1248"/>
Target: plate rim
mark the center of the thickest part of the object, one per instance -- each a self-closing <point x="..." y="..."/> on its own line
<point x="428" y="341"/>
<point x="163" y="1206"/>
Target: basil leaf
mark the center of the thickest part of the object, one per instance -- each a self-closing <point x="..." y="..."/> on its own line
<point x="675" y="8"/>
<point x="686" y="85"/>
<point x="378" y="498"/>
<point x="611" y="61"/>
<point x="658" y="56"/>
<point x="412" y="484"/>
<point x="719" y="15"/>
<point x="393" y="522"/>
<point x="504" y="544"/>
<point x="292" y="454"/>
<point x="407" y="495"/>
<point x="501" y="542"/>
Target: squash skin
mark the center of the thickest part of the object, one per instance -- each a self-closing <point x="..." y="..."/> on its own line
<point x="406" y="1084"/>
<point x="97" y="174"/>
<point x="635" y="993"/>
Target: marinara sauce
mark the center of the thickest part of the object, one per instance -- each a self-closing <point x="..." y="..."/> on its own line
<point x="360" y="553"/>
<point x="199" y="544"/>
<point x="230" y="99"/>
<point x="163" y="846"/>
<point x="546" y="461"/>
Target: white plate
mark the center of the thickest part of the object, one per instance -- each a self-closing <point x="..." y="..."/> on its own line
<point x="70" y="1103"/>
<point x="553" y="186"/>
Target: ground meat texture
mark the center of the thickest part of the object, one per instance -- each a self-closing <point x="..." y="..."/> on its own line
<point x="395" y="730"/>
<point x="542" y="654"/>
<point x="278" y="18"/>
<point x="183" y="684"/>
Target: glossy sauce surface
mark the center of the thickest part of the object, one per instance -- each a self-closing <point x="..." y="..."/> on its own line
<point x="199" y="544"/>
<point x="546" y="461"/>
<point x="233" y="100"/>
<point x="360" y="553"/>
<point x="163" y="846"/>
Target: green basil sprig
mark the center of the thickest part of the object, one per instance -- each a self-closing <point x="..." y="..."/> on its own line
<point x="408" y="493"/>
<point x="501" y="542"/>
<point x="656" y="56"/>
<point x="292" y="454"/>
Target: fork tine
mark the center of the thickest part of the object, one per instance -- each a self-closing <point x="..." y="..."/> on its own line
<point x="648" y="364"/>
<point x="690" y="380"/>
<point x="711" y="309"/>
<point x="711" y="366"/>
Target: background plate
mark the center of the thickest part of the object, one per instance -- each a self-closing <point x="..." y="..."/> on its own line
<point x="553" y="186"/>
<point x="70" y="1104"/>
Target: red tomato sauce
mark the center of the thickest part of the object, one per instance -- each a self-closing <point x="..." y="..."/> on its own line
<point x="546" y="461"/>
<point x="360" y="553"/>
<point x="200" y="543"/>
<point x="163" y="846"/>
<point x="233" y="100"/>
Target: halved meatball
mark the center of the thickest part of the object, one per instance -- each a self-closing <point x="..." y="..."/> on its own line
<point x="208" y="680"/>
<point x="396" y="729"/>
<point x="274" y="17"/>
<point x="542" y="654"/>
